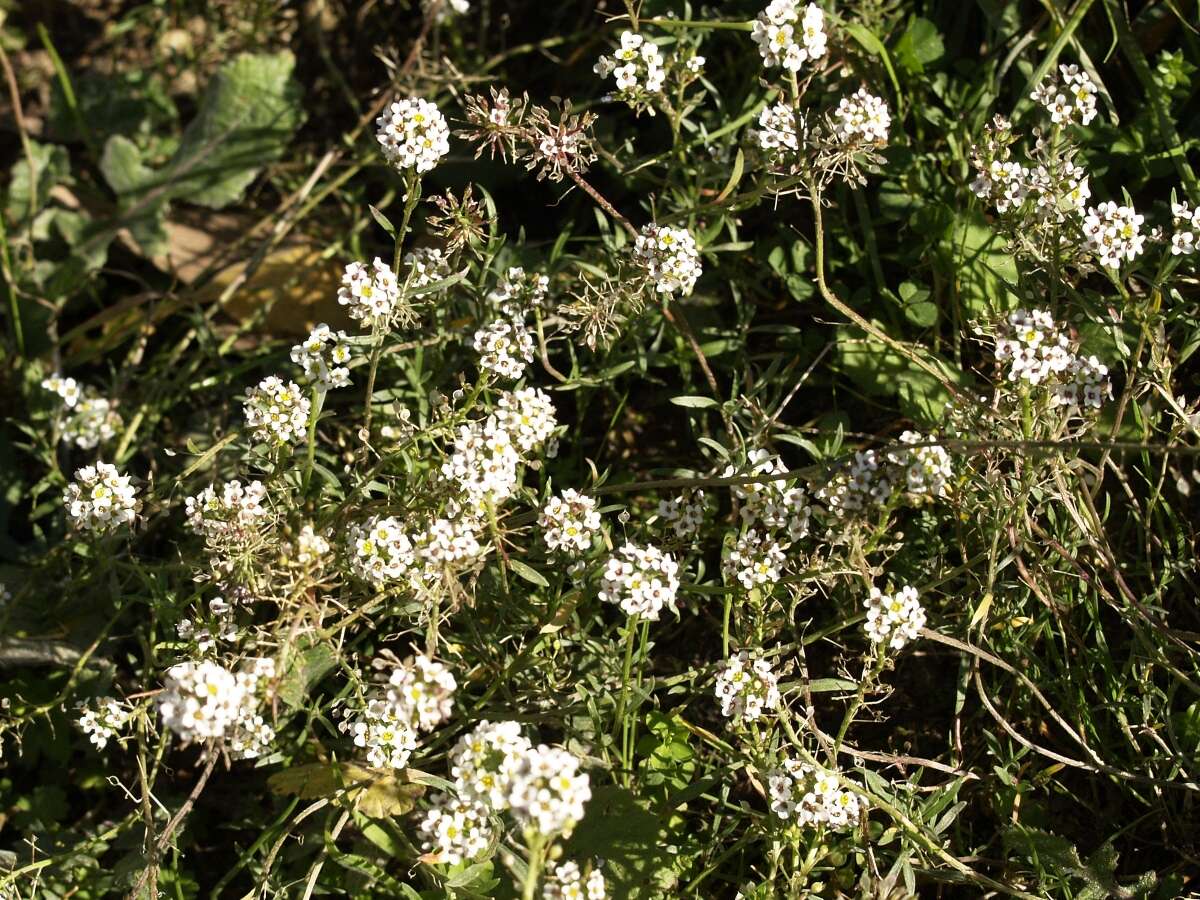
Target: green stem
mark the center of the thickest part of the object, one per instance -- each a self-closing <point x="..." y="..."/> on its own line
<point x="533" y="872"/>
<point x="695" y="23"/>
<point x="317" y="401"/>
<point x="630" y="636"/>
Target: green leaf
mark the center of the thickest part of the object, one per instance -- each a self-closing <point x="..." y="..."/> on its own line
<point x="919" y="46"/>
<point x="50" y="167"/>
<point x="384" y="222"/>
<point x="141" y="194"/>
<point x="869" y="42"/>
<point x="533" y="576"/>
<point x="630" y="840"/>
<point x="918" y="308"/>
<point x="694" y="402"/>
<point x="986" y="274"/>
<point x="739" y="166"/>
<point x="246" y="119"/>
<point x="306" y="669"/>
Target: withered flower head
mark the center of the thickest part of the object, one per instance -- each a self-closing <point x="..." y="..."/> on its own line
<point x="460" y="221"/>
<point x="496" y="123"/>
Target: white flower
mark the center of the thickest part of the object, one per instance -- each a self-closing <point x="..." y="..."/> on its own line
<point x="641" y="580"/>
<point x="669" y="257"/>
<point x="1087" y="384"/>
<point x="448" y="9"/>
<point x="569" y="522"/>
<point x="456" y="831"/>
<point x="425" y="266"/>
<point x="811" y="796"/>
<point x="773" y="503"/>
<point x="413" y="135"/>
<point x="505" y="348"/>
<point x="371" y="295"/>
<point x="927" y="470"/>
<point x="862" y="117"/>
<point x="684" y="513"/>
<point x="324" y="356"/>
<point x="380" y="550"/>
<point x="103" y="719"/>
<point x="637" y="67"/>
<point x="1069" y="100"/>
<point x="787" y="38"/>
<point x="777" y="128"/>
<point x="68" y="389"/>
<point x="87" y="418"/>
<point x="277" y="411"/>
<point x="100" y="498"/>
<point x="482" y="762"/>
<point x="755" y="560"/>
<point x="568" y="883"/>
<point x="1114" y="233"/>
<point x="205" y="701"/>
<point x="547" y="792"/>
<point x="310" y="548"/>
<point x="746" y="687"/>
<point x="1187" y="227"/>
<point x="895" y="618"/>
<point x="235" y="511"/>
<point x="425" y="689"/>
<point x="385" y="732"/>
<point x="519" y="293"/>
<point x="1039" y="352"/>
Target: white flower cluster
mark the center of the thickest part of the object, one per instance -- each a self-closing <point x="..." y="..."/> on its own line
<point x="777" y="128"/>
<point x="637" y="68"/>
<point x="505" y="348"/>
<point x="788" y="38"/>
<point x="746" y="687"/>
<point x="755" y="560"/>
<point x="495" y="768"/>
<point x="372" y="295"/>
<point x="309" y="549"/>
<point x="1114" y="233"/>
<point x="641" y="580"/>
<point x="569" y="522"/>
<point x="669" y="257"/>
<point x="418" y="696"/>
<point x="519" y="293"/>
<point x="233" y="512"/>
<point x="382" y="551"/>
<point x="775" y="503"/>
<point x="547" y="792"/>
<point x="100" y="498"/>
<point x="862" y="117"/>
<point x="487" y="454"/>
<point x="413" y="135"/>
<point x="456" y="831"/>
<point x="448" y="9"/>
<point x="1040" y="352"/>
<point x="568" y="883"/>
<point x="1007" y="184"/>
<point x="1187" y="227"/>
<point x="685" y="513"/>
<point x="88" y="419"/>
<point x="861" y="481"/>
<point x="277" y="411"/>
<point x="220" y="627"/>
<point x="812" y="796"/>
<point x="927" y="470"/>
<point x="896" y="618"/>
<point x="102" y="720"/>
<point x="202" y="700"/>
<point x="425" y="266"/>
<point x="1069" y="100"/>
<point x="324" y="356"/>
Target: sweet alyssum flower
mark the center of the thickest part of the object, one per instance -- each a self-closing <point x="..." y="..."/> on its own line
<point x="87" y="418"/>
<point x="640" y="580"/>
<point x="811" y="796"/>
<point x="1069" y="100"/>
<point x="755" y="560"/>
<point x="1187" y="227"/>
<point x="371" y="296"/>
<point x="233" y="511"/>
<point x="777" y="128"/>
<point x="413" y="135"/>
<point x="425" y="266"/>
<point x="1114" y="233"/>
<point x="277" y="411"/>
<point x="669" y="257"/>
<point x="788" y="37"/>
<point x="774" y="503"/>
<point x="746" y="687"/>
<point x="483" y="761"/>
<point x="685" y="513"/>
<point x="324" y="357"/>
<point x="505" y="348"/>
<point x="927" y="470"/>
<point x="895" y="618"/>
<point x="456" y="830"/>
<point x="568" y="883"/>
<point x="569" y="522"/>
<point x="519" y="293"/>
<point x="547" y="792"/>
<point x="380" y="550"/>
<point x="637" y="67"/>
<point x="100" y="498"/>
<point x="202" y="700"/>
<point x="102" y="720"/>
<point x="862" y="118"/>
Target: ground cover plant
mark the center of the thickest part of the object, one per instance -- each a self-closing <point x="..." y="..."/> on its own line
<point x="599" y="449"/>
